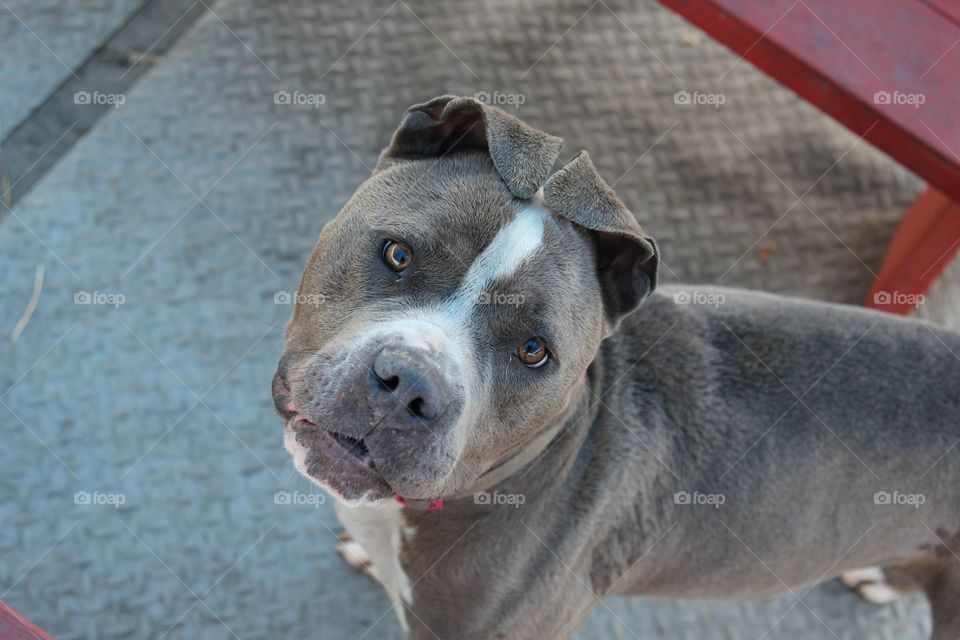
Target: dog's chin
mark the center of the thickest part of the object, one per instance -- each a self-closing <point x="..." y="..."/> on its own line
<point x="339" y="464"/>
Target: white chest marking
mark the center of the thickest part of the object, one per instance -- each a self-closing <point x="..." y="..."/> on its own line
<point x="379" y="530"/>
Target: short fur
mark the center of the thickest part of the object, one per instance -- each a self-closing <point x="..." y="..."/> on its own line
<point x="733" y="449"/>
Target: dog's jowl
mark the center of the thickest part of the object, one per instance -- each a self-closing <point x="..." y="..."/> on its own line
<point x="517" y="421"/>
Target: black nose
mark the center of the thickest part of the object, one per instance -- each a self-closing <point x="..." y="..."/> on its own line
<point x="281" y="396"/>
<point x="408" y="389"/>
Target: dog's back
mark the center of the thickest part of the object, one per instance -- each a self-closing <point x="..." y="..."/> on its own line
<point x="798" y="439"/>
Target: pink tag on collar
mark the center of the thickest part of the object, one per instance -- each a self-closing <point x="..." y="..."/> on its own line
<point x="436" y="505"/>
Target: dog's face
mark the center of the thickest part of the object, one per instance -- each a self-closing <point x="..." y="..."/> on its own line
<point x="448" y="312"/>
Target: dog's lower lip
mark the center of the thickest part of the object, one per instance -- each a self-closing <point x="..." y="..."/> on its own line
<point x="354" y="448"/>
<point x="297" y="421"/>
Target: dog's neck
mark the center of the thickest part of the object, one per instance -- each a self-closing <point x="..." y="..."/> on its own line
<point x="549" y="448"/>
<point x="535" y="447"/>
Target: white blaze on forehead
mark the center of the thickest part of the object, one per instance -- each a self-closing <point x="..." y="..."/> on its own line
<point x="513" y="245"/>
<point x="515" y="242"/>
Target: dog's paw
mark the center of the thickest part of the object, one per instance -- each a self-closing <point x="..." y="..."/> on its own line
<point x="356" y="556"/>
<point x="870" y="584"/>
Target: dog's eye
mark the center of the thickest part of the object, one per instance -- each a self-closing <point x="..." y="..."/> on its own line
<point x="397" y="255"/>
<point x="533" y="353"/>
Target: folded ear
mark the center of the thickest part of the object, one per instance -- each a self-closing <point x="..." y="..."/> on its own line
<point x="521" y="154"/>
<point x="627" y="259"/>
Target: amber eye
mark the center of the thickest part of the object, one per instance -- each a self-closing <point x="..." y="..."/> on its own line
<point x="533" y="353"/>
<point x="397" y="255"/>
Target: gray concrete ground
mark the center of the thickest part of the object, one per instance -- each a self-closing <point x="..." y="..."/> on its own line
<point x="44" y="41"/>
<point x="166" y="233"/>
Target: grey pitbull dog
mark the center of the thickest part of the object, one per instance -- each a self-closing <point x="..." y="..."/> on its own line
<point x="481" y="346"/>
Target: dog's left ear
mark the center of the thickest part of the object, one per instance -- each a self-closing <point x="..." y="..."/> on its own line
<point x="627" y="258"/>
<point x="522" y="155"/>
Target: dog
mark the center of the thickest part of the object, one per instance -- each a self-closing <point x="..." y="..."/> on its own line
<point x="516" y="421"/>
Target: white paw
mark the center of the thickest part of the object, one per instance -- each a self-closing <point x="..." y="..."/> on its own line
<point x="878" y="593"/>
<point x="870" y="584"/>
<point x="356" y="556"/>
<point x="855" y="577"/>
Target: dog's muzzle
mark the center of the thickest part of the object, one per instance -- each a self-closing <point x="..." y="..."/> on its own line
<point x="383" y="414"/>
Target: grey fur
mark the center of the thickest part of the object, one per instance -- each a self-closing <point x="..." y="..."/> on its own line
<point x="797" y="413"/>
<point x="523" y="155"/>
<point x="628" y="259"/>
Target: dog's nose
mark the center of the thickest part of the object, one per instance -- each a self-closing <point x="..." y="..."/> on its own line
<point x="407" y="387"/>
<point x="281" y="396"/>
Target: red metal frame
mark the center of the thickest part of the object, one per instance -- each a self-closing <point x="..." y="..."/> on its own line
<point x="889" y="70"/>
<point x="838" y="55"/>
<point x="925" y="242"/>
<point x="13" y="626"/>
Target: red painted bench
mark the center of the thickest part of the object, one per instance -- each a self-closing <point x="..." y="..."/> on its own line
<point x="13" y="626"/>
<point x="889" y="70"/>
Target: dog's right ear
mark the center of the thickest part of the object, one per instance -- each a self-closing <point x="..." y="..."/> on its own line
<point x="627" y="258"/>
<point x="522" y="155"/>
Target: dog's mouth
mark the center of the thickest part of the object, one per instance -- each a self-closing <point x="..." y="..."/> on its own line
<point x="356" y="447"/>
<point x="312" y="436"/>
<point x="341" y="464"/>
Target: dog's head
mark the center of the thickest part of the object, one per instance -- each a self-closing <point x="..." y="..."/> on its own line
<point x="450" y="309"/>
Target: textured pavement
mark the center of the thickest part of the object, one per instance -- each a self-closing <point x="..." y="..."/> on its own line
<point x="184" y="212"/>
<point x="43" y="41"/>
